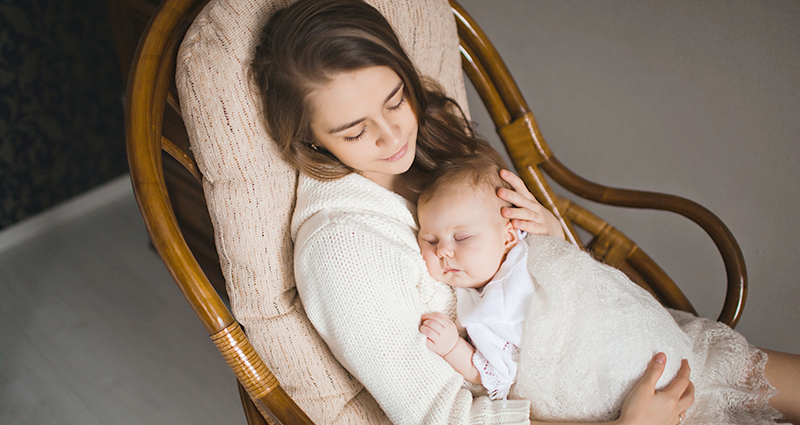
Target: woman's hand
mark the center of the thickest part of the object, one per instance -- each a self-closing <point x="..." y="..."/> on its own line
<point x="441" y="332"/>
<point x="646" y="405"/>
<point x="529" y="215"/>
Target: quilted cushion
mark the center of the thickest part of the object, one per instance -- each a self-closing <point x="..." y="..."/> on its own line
<point x="250" y="189"/>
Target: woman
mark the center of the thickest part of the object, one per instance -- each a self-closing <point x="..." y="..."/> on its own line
<point x="348" y="108"/>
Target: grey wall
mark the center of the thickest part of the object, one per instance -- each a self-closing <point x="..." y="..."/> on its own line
<point x="698" y="99"/>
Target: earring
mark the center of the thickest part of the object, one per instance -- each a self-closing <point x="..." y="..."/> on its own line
<point x="314" y="146"/>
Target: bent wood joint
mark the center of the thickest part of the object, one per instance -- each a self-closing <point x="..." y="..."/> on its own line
<point x="242" y="358"/>
<point x="524" y="143"/>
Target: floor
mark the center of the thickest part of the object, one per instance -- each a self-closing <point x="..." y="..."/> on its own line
<point x="94" y="331"/>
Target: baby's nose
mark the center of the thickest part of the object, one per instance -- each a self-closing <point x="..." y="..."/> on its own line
<point x="443" y="250"/>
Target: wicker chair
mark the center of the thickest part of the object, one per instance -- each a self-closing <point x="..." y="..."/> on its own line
<point x="153" y="125"/>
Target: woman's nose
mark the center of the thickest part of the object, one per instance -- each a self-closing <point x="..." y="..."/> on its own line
<point x="390" y="132"/>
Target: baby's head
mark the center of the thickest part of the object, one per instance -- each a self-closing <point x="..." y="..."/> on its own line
<point x="462" y="235"/>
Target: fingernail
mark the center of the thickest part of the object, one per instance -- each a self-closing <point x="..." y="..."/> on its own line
<point x="660" y="358"/>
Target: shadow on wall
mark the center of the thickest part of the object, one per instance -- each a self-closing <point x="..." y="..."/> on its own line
<point x="61" y="112"/>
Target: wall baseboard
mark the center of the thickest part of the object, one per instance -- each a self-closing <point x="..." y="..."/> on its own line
<point x="71" y="209"/>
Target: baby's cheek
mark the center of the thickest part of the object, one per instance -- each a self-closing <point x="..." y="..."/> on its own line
<point x="432" y="263"/>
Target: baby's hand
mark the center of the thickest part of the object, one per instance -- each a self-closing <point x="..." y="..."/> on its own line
<point x="441" y="332"/>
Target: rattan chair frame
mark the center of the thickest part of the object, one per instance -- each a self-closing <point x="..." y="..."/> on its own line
<point x="151" y="96"/>
<point x="533" y="159"/>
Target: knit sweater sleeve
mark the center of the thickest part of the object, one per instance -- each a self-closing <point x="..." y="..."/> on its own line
<point x="359" y="288"/>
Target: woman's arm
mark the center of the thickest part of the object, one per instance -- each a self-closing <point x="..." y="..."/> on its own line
<point x="529" y="215"/>
<point x="359" y="288"/>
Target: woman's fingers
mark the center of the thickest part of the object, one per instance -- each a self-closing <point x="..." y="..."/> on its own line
<point x="646" y="405"/>
<point x="654" y="370"/>
<point x="527" y="214"/>
<point x="517" y="198"/>
<point x="681" y="387"/>
<point x="516" y="183"/>
<point x="687" y="399"/>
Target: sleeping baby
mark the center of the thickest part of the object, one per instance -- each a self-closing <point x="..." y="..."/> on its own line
<point x="545" y="321"/>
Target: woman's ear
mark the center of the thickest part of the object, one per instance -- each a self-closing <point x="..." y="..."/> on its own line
<point x="511" y="236"/>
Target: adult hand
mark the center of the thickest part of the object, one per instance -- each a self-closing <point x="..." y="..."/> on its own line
<point x="441" y="332"/>
<point x="528" y="214"/>
<point x="646" y="405"/>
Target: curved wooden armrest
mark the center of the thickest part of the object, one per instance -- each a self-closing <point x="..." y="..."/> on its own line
<point x="533" y="159"/>
<point x="723" y="238"/>
<point x="147" y="97"/>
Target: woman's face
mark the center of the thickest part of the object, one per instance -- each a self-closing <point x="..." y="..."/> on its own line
<point x="364" y="119"/>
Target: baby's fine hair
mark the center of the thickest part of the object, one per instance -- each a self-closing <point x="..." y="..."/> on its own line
<point x="479" y="171"/>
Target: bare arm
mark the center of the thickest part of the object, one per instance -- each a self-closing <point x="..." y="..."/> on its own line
<point x="443" y="339"/>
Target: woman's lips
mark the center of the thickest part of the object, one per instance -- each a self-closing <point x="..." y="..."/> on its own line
<point x="399" y="154"/>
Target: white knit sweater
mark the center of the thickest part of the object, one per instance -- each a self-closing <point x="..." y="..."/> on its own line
<point x="364" y="285"/>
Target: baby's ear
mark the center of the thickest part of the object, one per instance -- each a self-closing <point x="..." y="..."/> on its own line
<point x="511" y="236"/>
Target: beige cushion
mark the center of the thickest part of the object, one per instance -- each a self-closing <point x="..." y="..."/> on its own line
<point x="250" y="189"/>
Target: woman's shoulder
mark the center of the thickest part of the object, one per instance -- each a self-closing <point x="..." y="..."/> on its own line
<point x="352" y="199"/>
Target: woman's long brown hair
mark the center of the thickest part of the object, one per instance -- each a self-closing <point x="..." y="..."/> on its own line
<point x="304" y="45"/>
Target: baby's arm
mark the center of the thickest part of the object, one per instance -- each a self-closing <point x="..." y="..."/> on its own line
<point x="443" y="340"/>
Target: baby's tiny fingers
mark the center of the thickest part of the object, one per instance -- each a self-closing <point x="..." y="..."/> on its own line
<point x="428" y="331"/>
<point x="431" y="345"/>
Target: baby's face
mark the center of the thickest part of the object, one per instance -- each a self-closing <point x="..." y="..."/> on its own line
<point x="463" y="237"/>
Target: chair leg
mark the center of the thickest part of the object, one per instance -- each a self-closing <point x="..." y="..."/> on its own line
<point x="251" y="412"/>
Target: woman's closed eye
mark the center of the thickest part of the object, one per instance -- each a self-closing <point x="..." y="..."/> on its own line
<point x="357" y="137"/>
<point x="399" y="103"/>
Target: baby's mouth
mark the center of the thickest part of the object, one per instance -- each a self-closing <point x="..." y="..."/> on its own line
<point x="450" y="270"/>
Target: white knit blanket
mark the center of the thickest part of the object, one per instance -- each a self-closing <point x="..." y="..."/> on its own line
<point x="588" y="336"/>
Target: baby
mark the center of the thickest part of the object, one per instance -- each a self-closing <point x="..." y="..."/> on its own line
<point x="468" y="245"/>
<point x="573" y="334"/>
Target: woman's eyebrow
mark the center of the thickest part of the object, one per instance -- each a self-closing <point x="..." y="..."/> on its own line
<point x="394" y="92"/>
<point x="346" y="126"/>
<point x="360" y="120"/>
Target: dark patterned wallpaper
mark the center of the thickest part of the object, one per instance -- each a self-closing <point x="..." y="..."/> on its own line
<point x="61" y="113"/>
